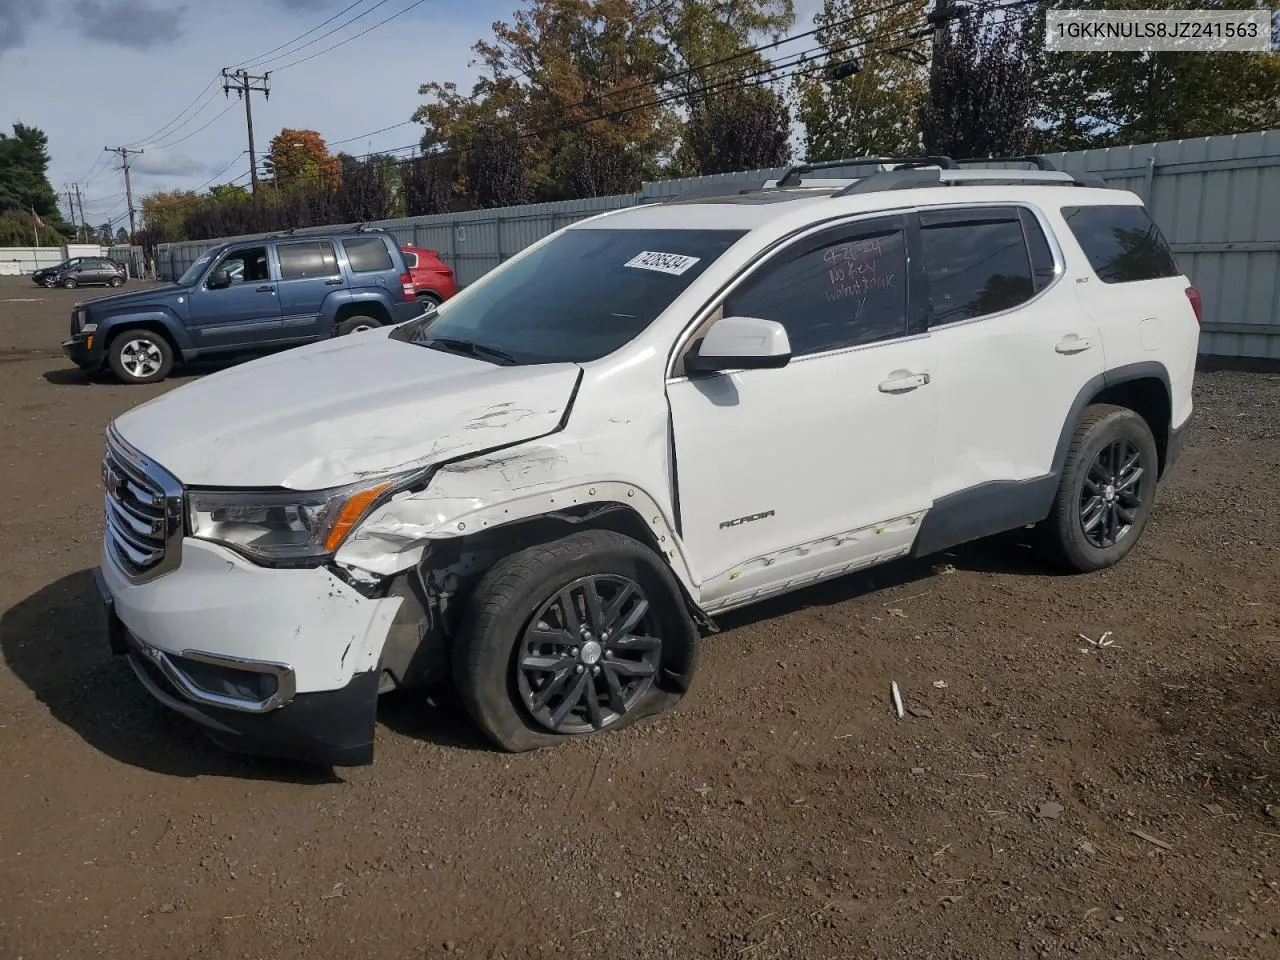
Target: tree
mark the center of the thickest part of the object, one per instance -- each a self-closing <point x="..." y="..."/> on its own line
<point x="370" y="188"/>
<point x="875" y="112"/>
<point x="19" y="229"/>
<point x="104" y="234"/>
<point x="740" y="128"/>
<point x="164" y="214"/>
<point x="122" y="235"/>
<point x="24" y="177"/>
<point x="983" y="95"/>
<point x="300" y="159"/>
<point x="1108" y="99"/>
<point x="429" y="184"/>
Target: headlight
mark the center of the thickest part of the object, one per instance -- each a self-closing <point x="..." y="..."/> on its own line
<point x="284" y="525"/>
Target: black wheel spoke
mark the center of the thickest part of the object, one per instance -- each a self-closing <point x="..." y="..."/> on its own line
<point x="589" y="654"/>
<point x="1111" y="493"/>
<point x="1128" y="480"/>
<point x="1092" y="513"/>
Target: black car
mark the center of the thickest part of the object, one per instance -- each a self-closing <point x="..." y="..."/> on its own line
<point x="81" y="271"/>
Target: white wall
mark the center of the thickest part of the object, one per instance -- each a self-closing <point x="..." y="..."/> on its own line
<point x="19" y="261"/>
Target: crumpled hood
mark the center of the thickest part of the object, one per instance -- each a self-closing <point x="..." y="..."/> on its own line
<point x="337" y="411"/>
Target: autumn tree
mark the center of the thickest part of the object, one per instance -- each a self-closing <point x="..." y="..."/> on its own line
<point x="982" y="96"/>
<point x="300" y="159"/>
<point x="876" y="111"/>
<point x="739" y="128"/>
<point x="164" y="214"/>
<point x="1106" y="99"/>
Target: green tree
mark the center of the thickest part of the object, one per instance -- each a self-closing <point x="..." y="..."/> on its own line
<point x="164" y="213"/>
<point x="739" y="128"/>
<point x="875" y="112"/>
<point x="1110" y="99"/>
<point x="19" y="229"/>
<point x="122" y="235"/>
<point x="24" y="176"/>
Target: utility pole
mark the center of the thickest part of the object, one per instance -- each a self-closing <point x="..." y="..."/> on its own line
<point x="128" y="184"/>
<point x="244" y="84"/>
<point x="71" y="207"/>
<point x="84" y="224"/>
<point x="940" y="18"/>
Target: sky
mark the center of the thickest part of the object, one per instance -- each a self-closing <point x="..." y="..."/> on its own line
<point x="146" y="74"/>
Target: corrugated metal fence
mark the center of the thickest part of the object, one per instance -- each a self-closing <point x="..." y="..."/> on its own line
<point x="1217" y="199"/>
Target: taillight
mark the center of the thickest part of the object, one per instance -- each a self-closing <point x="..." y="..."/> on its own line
<point x="406" y="286"/>
<point x="1194" y="296"/>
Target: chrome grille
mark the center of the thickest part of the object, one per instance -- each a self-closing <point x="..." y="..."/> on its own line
<point x="143" y="504"/>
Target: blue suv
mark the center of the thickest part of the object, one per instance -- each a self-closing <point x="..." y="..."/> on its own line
<point x="244" y="297"/>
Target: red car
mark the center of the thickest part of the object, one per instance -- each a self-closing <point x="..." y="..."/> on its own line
<point x="432" y="279"/>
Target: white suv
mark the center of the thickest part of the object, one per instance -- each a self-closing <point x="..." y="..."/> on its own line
<point x="543" y="490"/>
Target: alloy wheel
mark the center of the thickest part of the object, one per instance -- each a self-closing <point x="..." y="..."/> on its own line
<point x="589" y="654"/>
<point x="141" y="358"/>
<point x="1111" y="496"/>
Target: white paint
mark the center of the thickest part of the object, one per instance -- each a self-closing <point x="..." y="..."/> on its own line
<point x="745" y="337"/>
<point x="672" y="263"/>
<point x="217" y="602"/>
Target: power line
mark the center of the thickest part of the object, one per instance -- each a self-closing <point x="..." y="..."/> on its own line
<point x="263" y="56"/>
<point x="328" y="33"/>
<point x="357" y="36"/>
<point x="174" y="143"/>
<point x="165" y="129"/>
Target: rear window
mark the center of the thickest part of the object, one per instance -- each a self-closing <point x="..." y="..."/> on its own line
<point x="1123" y="244"/>
<point x="309" y="259"/>
<point x="367" y="254"/>
<point x="410" y="258"/>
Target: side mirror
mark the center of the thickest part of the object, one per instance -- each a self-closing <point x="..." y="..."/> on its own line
<point x="219" y="279"/>
<point x="742" y="343"/>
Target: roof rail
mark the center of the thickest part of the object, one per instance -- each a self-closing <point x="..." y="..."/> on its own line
<point x="793" y="174"/>
<point x="1040" y="163"/>
<point x="914" y="179"/>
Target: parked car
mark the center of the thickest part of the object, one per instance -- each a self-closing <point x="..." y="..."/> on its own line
<point x="250" y="296"/>
<point x="433" y="281"/>
<point x="82" y="271"/>
<point x="543" y="491"/>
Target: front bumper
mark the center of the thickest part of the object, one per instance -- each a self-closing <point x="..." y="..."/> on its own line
<point x="85" y="351"/>
<point x="275" y="662"/>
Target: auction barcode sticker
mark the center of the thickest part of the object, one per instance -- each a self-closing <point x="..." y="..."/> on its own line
<point x="672" y="263"/>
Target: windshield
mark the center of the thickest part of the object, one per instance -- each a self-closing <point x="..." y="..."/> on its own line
<point x="579" y="297"/>
<point x="194" y="271"/>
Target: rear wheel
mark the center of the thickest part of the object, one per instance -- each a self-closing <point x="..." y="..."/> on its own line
<point x="429" y="301"/>
<point x="575" y="636"/>
<point x="356" y="325"/>
<point x="1106" y="492"/>
<point x="140" y="356"/>
<point x="69" y="283"/>
<point x="115" y="282"/>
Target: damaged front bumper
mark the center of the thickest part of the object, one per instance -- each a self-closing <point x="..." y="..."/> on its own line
<point x="281" y="663"/>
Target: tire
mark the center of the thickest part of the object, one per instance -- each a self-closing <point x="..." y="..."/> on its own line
<point x="1101" y="508"/>
<point x="48" y="283"/>
<point x="140" y="356"/>
<point x="496" y="634"/>
<point x="69" y="283"/>
<point x="115" y="282"/>
<point x="356" y="324"/>
<point x="430" y="300"/>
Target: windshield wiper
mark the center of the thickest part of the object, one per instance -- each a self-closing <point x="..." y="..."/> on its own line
<point x="471" y="349"/>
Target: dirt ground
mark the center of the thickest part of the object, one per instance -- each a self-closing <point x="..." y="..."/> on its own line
<point x="1051" y="799"/>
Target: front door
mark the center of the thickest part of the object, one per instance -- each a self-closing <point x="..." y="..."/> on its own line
<point x="246" y="313"/>
<point x="823" y="465"/>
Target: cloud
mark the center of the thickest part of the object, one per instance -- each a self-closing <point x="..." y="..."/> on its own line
<point x="130" y="23"/>
<point x="15" y="17"/>
<point x="300" y="4"/>
<point x="168" y="165"/>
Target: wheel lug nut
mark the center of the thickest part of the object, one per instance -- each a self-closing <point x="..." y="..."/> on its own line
<point x="578" y="668"/>
<point x="608" y="654"/>
<point x="573" y="652"/>
<point x="595" y="670"/>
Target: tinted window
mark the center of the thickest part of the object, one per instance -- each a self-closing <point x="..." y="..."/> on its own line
<point x="247" y="265"/>
<point x="1038" y="246"/>
<point x="839" y="291"/>
<point x="578" y="297"/>
<point x="977" y="263"/>
<point x="367" y="254"/>
<point x="312" y="259"/>
<point x="410" y="258"/>
<point x="1123" y="243"/>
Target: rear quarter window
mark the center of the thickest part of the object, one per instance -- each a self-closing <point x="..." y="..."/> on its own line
<point x="367" y="254"/>
<point x="1121" y="242"/>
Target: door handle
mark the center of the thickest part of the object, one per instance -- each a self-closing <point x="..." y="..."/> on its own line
<point x="904" y="384"/>
<point x="333" y="281"/>
<point x="267" y="288"/>
<point x="1072" y="344"/>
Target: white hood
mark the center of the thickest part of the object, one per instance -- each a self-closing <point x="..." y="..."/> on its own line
<point x="336" y="411"/>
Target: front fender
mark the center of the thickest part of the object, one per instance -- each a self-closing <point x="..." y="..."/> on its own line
<point x="157" y="316"/>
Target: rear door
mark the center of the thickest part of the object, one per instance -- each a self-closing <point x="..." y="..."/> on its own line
<point x="244" y="314"/>
<point x="1014" y="350"/>
<point x="372" y="266"/>
<point x="308" y="273"/>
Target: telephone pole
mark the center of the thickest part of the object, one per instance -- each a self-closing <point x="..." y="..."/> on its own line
<point x="71" y="206"/>
<point x="244" y="84"/>
<point x="128" y="184"/>
<point x="84" y="224"/>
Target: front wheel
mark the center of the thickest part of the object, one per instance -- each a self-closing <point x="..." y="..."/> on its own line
<point x="1106" y="492"/>
<point x="140" y="356"/>
<point x="580" y="635"/>
<point x="69" y="283"/>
